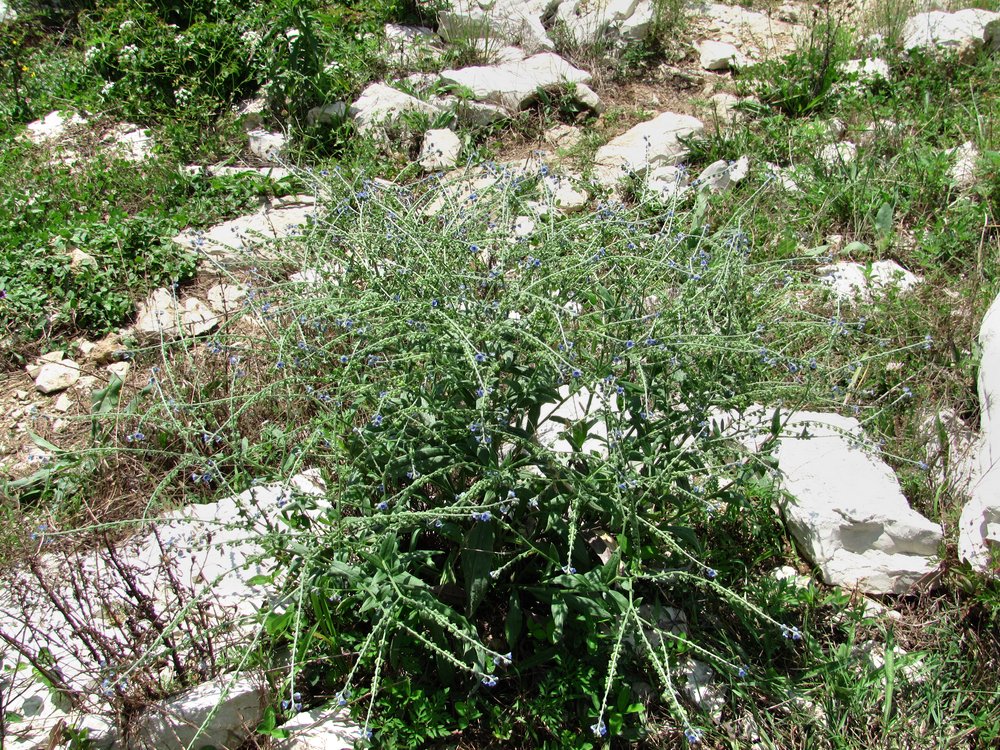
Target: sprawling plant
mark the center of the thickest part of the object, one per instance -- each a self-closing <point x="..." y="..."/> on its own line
<point x="516" y="428"/>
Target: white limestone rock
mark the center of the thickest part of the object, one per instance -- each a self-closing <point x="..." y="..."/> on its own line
<point x="648" y="145"/>
<point x="514" y="85"/>
<point x="54" y="377"/>
<point x="668" y="182"/>
<point x="129" y="142"/>
<point x="226" y="298"/>
<point x="979" y="528"/>
<point x="6" y="12"/>
<point x="755" y="32"/>
<point x="588" y="98"/>
<point x="440" y="150"/>
<point x="562" y="194"/>
<point x="838" y="154"/>
<point x="718" y="56"/>
<point x="563" y="136"/>
<point x="267" y="145"/>
<point x="850" y="280"/>
<point x="246" y="236"/>
<point x="524" y="226"/>
<point x="868" y="71"/>
<point x="471" y="112"/>
<point x="162" y="316"/>
<point x="408" y="46"/>
<point x="79" y="260"/>
<point x="53" y="127"/>
<point x="721" y="175"/>
<point x="220" y="714"/>
<point x="588" y="21"/>
<point x="63" y="404"/>
<point x="979" y="524"/>
<point x="119" y="370"/>
<point x="963" y="171"/>
<point x="723" y="106"/>
<point x="514" y="22"/>
<point x="381" y="106"/>
<point x="320" y="729"/>
<point x="702" y="689"/>
<point x="786" y="177"/>
<point x="495" y="52"/>
<point x="328" y="114"/>
<point x="848" y="515"/>
<point x="963" y="32"/>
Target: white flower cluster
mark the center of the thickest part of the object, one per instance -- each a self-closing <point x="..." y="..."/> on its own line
<point x="91" y="53"/>
<point x="251" y="38"/>
<point x="182" y="95"/>
<point x="129" y="53"/>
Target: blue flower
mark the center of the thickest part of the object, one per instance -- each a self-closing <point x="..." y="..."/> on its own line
<point x="377" y="420"/>
<point x="742" y="672"/>
<point x="434" y="303"/>
<point x="383" y="506"/>
<point x="692" y="735"/>
<point x="577" y="373"/>
<point x="711" y="572"/>
<point x="489" y="681"/>
<point x="480" y="357"/>
<point x="599" y="729"/>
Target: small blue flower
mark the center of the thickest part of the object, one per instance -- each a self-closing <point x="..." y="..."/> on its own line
<point x="742" y="672"/>
<point x="692" y="735"/>
<point x="383" y="506"/>
<point x="489" y="681"/>
<point x="577" y="373"/>
<point x="480" y="357"/>
<point x="711" y="572"/>
<point x="599" y="729"/>
<point x="434" y="303"/>
<point x="377" y="420"/>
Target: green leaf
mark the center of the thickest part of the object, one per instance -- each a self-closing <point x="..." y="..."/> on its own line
<point x="105" y="399"/>
<point x="883" y="219"/>
<point x="856" y="248"/>
<point x="477" y="562"/>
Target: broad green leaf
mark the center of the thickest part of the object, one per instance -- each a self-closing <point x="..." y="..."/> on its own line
<point x="477" y="562"/>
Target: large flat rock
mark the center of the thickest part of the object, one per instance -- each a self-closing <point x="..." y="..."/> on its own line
<point x="514" y="85"/>
<point x="246" y="236"/>
<point x="515" y="22"/>
<point x="848" y="515"/>
<point x="963" y="32"/>
<point x="651" y="144"/>
<point x="979" y="524"/>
